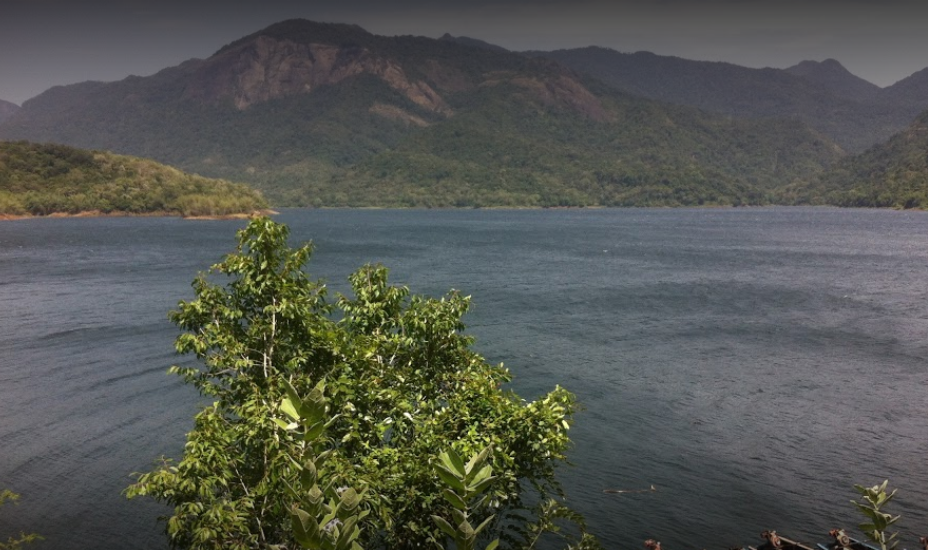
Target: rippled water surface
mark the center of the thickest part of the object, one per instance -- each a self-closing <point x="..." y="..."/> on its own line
<point x="752" y="364"/>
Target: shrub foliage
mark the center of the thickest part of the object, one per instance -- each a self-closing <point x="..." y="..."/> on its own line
<point x="401" y="383"/>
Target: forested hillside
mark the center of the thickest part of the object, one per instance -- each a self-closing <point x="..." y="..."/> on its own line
<point x="511" y="152"/>
<point x="43" y="179"/>
<point x="894" y="174"/>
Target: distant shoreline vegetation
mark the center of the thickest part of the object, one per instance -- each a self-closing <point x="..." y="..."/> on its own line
<point x="119" y="214"/>
<point x="50" y="180"/>
<point x="57" y="180"/>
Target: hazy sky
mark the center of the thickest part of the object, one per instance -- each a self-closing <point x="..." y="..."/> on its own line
<point x="48" y="42"/>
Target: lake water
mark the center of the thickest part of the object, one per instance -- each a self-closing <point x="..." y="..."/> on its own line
<point x="752" y="364"/>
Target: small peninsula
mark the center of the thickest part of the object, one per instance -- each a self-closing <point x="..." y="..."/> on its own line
<point x="56" y="180"/>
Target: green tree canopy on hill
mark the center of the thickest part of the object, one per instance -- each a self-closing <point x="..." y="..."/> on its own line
<point x="42" y="179"/>
<point x="893" y="174"/>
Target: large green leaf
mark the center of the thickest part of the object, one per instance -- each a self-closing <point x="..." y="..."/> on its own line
<point x="349" y="500"/>
<point x="481" y="486"/>
<point x="449" y="478"/>
<point x="484" y="524"/>
<point x="287" y="407"/>
<point x="454" y="499"/>
<point x="444" y="526"/>
<point x="305" y="529"/>
<point x="308" y="474"/>
<point x="348" y="532"/>
<point x="475" y="464"/>
<point x="452" y="460"/>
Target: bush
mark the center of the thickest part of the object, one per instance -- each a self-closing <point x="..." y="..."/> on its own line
<point x="402" y="384"/>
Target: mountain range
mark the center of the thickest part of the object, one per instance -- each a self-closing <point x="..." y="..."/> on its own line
<point x="847" y="109"/>
<point x="331" y="115"/>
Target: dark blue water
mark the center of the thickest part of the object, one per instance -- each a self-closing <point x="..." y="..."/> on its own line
<point x="752" y="364"/>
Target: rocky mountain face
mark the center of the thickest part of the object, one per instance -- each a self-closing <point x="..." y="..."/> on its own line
<point x="7" y="109"/>
<point x="297" y="58"/>
<point x="269" y="68"/>
<point x="292" y="58"/>
<point x="847" y="109"/>
<point x="330" y="114"/>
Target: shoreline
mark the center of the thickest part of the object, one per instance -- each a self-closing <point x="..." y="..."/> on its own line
<point x="272" y="212"/>
<point x="122" y="214"/>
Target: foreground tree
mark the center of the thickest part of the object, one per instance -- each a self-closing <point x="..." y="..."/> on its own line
<point x="402" y="385"/>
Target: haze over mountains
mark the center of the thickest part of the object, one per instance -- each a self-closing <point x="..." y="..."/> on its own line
<point x="853" y="112"/>
<point x="7" y="109"/>
<point x="324" y="114"/>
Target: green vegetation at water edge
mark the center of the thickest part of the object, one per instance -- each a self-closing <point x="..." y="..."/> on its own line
<point x="43" y="179"/>
<point x="893" y="174"/>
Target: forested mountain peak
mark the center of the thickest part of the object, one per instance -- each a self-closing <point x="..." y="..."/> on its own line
<point x="835" y="78"/>
<point x="304" y="31"/>
<point x="300" y="57"/>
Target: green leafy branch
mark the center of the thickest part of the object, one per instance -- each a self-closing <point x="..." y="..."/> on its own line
<point x="875" y="498"/>
<point x="466" y="482"/>
<point x="324" y="517"/>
